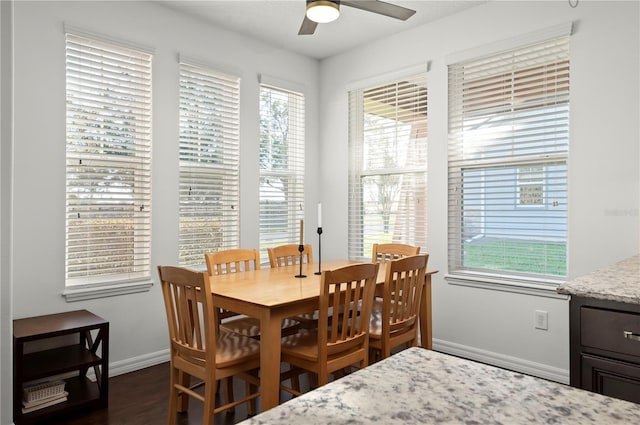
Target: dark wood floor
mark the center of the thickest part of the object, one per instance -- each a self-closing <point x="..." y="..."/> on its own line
<point x="141" y="398"/>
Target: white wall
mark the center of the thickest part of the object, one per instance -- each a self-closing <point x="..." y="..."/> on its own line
<point x="6" y="128"/>
<point x="603" y="166"/>
<point x="137" y="321"/>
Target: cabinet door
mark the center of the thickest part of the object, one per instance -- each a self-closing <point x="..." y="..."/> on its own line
<point x="611" y="377"/>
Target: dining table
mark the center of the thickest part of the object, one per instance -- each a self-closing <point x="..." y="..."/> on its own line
<point x="272" y="294"/>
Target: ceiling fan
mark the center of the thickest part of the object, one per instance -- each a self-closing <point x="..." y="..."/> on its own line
<point x="323" y="11"/>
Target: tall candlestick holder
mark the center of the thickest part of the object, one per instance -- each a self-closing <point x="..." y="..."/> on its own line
<point x="300" y="249"/>
<point x="319" y="251"/>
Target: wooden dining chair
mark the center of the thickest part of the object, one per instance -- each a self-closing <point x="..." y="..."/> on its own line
<point x="198" y="349"/>
<point x="394" y="317"/>
<point x="383" y="252"/>
<point x="340" y="340"/>
<point x="285" y="255"/>
<point x="233" y="261"/>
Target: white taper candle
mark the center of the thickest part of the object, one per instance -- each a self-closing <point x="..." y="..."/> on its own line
<point x="301" y="232"/>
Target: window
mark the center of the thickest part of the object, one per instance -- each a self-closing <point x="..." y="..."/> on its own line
<point x="508" y="151"/>
<point x="282" y="141"/>
<point x="209" y="163"/>
<point x="108" y="162"/>
<point x="530" y="186"/>
<point x="388" y="165"/>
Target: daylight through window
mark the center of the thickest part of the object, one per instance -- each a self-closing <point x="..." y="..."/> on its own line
<point x="108" y="162"/>
<point x="282" y="139"/>
<point x="388" y="165"/>
<point x="508" y="151"/>
<point x="209" y="163"/>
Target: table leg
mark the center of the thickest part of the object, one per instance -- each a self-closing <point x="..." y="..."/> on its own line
<point x="425" y="315"/>
<point x="271" y="332"/>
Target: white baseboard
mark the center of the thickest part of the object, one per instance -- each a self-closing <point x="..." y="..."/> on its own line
<point x="489" y="357"/>
<point x="501" y="360"/>
<point x="134" y="363"/>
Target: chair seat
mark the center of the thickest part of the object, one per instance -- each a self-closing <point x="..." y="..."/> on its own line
<point x="250" y="326"/>
<point x="233" y="348"/>
<point x="304" y="345"/>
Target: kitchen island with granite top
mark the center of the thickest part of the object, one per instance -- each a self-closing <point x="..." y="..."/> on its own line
<point x="604" y="321"/>
<point x="419" y="386"/>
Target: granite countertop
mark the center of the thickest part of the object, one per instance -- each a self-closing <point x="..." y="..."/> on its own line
<point x="419" y="386"/>
<point x="618" y="282"/>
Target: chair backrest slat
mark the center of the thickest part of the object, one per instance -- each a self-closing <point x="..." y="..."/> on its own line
<point x="285" y="255"/>
<point x="232" y="261"/>
<point x="384" y="252"/>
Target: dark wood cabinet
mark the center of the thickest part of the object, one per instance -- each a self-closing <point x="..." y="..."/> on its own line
<point x="605" y="347"/>
<point x="85" y="347"/>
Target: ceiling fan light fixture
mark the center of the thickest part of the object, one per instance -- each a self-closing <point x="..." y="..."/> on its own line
<point x="323" y="11"/>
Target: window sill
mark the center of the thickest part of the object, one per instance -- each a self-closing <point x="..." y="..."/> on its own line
<point x="526" y="287"/>
<point x="101" y="291"/>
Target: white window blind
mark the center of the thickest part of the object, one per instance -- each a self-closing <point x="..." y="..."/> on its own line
<point x="282" y="139"/>
<point x="209" y="162"/>
<point x="508" y="151"/>
<point x="108" y="162"/>
<point x="388" y="165"/>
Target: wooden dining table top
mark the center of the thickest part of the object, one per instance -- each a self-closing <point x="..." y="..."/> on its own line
<point x="272" y="287"/>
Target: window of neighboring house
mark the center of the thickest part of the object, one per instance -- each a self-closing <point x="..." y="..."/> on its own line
<point x="209" y="163"/>
<point x="508" y="152"/>
<point x="108" y="163"/>
<point x="282" y="139"/>
<point x="388" y="165"/>
<point x="530" y="186"/>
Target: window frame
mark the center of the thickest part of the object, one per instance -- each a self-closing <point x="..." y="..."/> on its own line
<point x="294" y="173"/>
<point x="405" y="94"/>
<point x="209" y="152"/>
<point x="556" y="160"/>
<point x="102" y="72"/>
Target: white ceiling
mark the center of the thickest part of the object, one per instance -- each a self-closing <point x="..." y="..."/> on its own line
<point x="278" y="21"/>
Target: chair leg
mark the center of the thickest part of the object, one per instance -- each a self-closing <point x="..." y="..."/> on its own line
<point x="323" y="379"/>
<point x="293" y="375"/>
<point x="313" y="380"/>
<point x="295" y="382"/>
<point x="173" y="397"/>
<point x="228" y="393"/>
<point x="252" y="408"/>
<point x="374" y="355"/>
<point x="209" y="403"/>
<point x="183" y="399"/>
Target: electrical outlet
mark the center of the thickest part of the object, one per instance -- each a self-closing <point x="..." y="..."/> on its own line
<point x="541" y="320"/>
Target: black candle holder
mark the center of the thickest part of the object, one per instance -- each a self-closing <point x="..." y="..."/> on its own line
<point x="319" y="251"/>
<point x="300" y="249"/>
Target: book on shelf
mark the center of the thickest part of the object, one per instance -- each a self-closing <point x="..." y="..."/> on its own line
<point x="30" y="406"/>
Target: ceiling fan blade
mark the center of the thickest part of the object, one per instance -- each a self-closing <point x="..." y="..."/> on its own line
<point x="380" y="7"/>
<point x="308" y="26"/>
